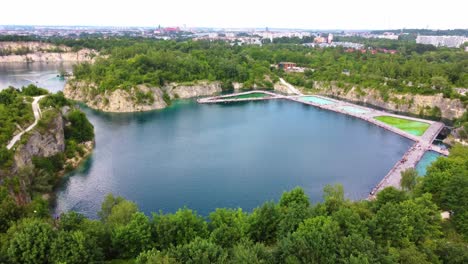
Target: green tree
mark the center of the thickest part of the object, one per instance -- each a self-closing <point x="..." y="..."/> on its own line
<point x="116" y="210"/>
<point x="199" y="251"/>
<point x="227" y="226"/>
<point x="81" y="129"/>
<point x="295" y="196"/>
<point x="408" y="179"/>
<point x="177" y="229"/>
<point x="315" y="241"/>
<point x="263" y="223"/>
<point x="248" y="252"/>
<point x="74" y="247"/>
<point x="30" y="241"/>
<point x="154" y="257"/>
<point x="9" y="210"/>
<point x="333" y="197"/>
<point x="131" y="239"/>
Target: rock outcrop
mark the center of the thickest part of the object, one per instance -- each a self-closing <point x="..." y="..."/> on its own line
<point x="139" y="98"/>
<point x="43" y="52"/>
<point x="405" y="103"/>
<point x="195" y="90"/>
<point x="41" y="143"/>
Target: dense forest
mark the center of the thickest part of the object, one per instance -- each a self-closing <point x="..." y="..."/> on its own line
<point x="418" y="69"/>
<point x="397" y="227"/>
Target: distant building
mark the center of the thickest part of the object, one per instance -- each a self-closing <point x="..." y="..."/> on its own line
<point x="320" y="39"/>
<point x="442" y="41"/>
<point x="330" y="38"/>
<point x="286" y="65"/>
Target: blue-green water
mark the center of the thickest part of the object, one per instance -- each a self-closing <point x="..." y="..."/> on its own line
<point x="39" y="73"/>
<point x="317" y="100"/>
<point x="425" y="162"/>
<point x="227" y="155"/>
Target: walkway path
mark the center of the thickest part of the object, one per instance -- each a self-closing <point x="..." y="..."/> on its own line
<point x="410" y="158"/>
<point x="291" y="88"/>
<point x="37" y="116"/>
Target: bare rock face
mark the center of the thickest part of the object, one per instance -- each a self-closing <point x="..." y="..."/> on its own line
<point x="195" y="90"/>
<point x="41" y="143"/>
<point x="407" y="103"/>
<point x="122" y="101"/>
<point x="45" y="52"/>
<point x="281" y="88"/>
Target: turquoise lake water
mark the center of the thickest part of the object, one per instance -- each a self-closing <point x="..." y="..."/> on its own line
<point x="426" y="160"/>
<point x="218" y="155"/>
<point x="227" y="155"/>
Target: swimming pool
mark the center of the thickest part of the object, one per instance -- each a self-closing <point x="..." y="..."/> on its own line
<point x="317" y="100"/>
<point x="426" y="161"/>
<point x="355" y="110"/>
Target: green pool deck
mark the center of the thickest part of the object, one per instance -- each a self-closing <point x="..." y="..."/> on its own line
<point x="413" y="127"/>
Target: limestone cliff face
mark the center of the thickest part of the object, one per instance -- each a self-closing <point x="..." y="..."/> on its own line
<point x="44" y="52"/>
<point x="45" y="143"/>
<point x="115" y="101"/>
<point x="140" y="98"/>
<point x="281" y="88"/>
<point x="195" y="90"/>
<point x="407" y="103"/>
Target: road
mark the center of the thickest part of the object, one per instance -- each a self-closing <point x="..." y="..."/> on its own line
<point x="37" y="115"/>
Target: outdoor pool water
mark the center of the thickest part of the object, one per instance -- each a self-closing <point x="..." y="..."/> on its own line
<point x="355" y="110"/>
<point x="317" y="100"/>
<point x="425" y="162"/>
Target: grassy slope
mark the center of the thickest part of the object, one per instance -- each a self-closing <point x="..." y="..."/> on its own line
<point x="413" y="127"/>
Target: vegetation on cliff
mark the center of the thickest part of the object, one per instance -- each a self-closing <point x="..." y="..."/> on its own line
<point x="397" y="227"/>
<point x="38" y="174"/>
<point x="133" y="62"/>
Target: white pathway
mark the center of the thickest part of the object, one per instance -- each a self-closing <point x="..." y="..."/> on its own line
<point x="37" y="116"/>
<point x="291" y="88"/>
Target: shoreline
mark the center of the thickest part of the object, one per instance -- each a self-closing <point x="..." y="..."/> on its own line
<point x="411" y="157"/>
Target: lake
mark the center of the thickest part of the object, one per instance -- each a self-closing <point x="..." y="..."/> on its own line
<point x="39" y="73"/>
<point x="227" y="155"/>
<point x="218" y="155"/>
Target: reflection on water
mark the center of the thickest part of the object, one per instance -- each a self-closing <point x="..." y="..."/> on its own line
<point x="227" y="155"/>
<point x="39" y="73"/>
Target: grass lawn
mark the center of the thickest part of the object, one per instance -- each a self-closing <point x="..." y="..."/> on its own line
<point x="413" y="127"/>
<point x="252" y="95"/>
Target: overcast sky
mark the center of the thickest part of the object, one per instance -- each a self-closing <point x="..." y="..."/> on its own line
<point x="310" y="14"/>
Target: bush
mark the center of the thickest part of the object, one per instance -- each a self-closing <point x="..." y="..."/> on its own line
<point x="33" y="90"/>
<point x="80" y="130"/>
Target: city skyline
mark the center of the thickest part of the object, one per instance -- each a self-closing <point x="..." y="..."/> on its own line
<point x="295" y="14"/>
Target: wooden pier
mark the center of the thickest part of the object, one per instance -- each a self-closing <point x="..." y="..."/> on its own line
<point x="410" y="158"/>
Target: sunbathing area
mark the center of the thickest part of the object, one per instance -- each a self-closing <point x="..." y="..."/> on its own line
<point x="413" y="127"/>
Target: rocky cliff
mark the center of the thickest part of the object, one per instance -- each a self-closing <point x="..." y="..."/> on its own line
<point x="140" y="98"/>
<point x="41" y="143"/>
<point x="425" y="105"/>
<point x="43" y="52"/>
